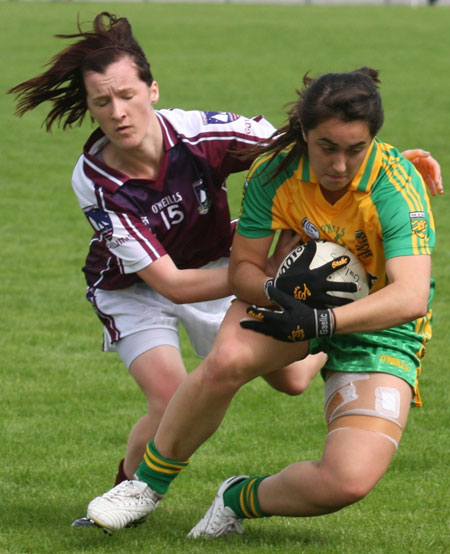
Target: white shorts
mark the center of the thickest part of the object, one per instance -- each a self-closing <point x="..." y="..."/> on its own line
<point x="138" y="318"/>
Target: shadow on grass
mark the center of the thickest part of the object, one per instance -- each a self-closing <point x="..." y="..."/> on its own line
<point x="45" y="527"/>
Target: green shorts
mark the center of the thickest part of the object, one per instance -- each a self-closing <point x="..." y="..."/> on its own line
<point x="397" y="351"/>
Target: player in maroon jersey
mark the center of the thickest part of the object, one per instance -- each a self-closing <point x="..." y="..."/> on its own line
<point x="152" y="185"/>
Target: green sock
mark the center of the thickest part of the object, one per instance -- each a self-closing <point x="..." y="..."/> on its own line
<point x="242" y="498"/>
<point x="158" y="472"/>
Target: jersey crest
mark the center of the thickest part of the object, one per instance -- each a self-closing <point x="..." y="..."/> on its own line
<point x="310" y="229"/>
<point x="99" y="220"/>
<point x="201" y="193"/>
<point x="418" y="224"/>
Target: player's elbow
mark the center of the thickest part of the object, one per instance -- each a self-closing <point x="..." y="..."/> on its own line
<point x="175" y="295"/>
<point x="421" y="310"/>
<point x="237" y="283"/>
<point x="414" y="309"/>
<point x="173" y="291"/>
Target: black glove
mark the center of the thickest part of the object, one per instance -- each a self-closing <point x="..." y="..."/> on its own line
<point x="311" y="285"/>
<point x="297" y="322"/>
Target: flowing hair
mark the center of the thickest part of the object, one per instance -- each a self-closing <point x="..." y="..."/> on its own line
<point x="62" y="83"/>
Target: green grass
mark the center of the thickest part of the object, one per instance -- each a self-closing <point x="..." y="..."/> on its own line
<point x="66" y="408"/>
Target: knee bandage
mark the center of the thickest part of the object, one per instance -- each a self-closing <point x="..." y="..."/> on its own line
<point x="368" y="401"/>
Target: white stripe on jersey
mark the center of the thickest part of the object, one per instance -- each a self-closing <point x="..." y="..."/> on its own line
<point x="216" y="138"/>
<point x="144" y="240"/>
<point x="115" y="180"/>
<point x="104" y="270"/>
<point x="101" y="196"/>
<point x="166" y="130"/>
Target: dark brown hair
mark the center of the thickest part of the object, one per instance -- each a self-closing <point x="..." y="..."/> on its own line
<point x="351" y="96"/>
<point x="62" y="84"/>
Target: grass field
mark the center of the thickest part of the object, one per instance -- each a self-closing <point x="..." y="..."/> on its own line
<point x="66" y="408"/>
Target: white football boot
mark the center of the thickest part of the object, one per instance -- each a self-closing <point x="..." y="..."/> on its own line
<point x="127" y="504"/>
<point x="219" y="519"/>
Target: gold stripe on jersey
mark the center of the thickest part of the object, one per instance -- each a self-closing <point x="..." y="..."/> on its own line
<point x="264" y="158"/>
<point x="369" y="169"/>
<point x="397" y="175"/>
<point x="423" y="326"/>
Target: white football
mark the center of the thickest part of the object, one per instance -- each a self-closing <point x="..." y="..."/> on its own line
<point x="327" y="251"/>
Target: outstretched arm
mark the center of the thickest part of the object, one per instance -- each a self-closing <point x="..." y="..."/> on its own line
<point x="185" y="285"/>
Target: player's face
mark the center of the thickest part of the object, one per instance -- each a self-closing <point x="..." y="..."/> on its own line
<point x="121" y="103"/>
<point x="336" y="150"/>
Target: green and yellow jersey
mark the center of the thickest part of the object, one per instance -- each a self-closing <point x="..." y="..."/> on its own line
<point x="385" y="212"/>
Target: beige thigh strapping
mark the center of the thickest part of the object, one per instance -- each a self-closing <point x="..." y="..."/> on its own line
<point x="375" y="402"/>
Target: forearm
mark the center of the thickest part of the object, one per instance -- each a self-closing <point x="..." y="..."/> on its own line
<point x="248" y="268"/>
<point x="386" y="308"/>
<point x="247" y="283"/>
<point x="186" y="285"/>
<point x="198" y="285"/>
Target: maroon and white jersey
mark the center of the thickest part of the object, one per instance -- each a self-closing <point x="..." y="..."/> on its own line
<point x="183" y="213"/>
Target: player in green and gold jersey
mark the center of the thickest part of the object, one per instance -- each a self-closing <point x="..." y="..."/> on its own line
<point x="382" y="213"/>
<point x="329" y="177"/>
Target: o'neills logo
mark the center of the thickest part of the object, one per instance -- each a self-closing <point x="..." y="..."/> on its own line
<point x="395" y="362"/>
<point x="340" y="262"/>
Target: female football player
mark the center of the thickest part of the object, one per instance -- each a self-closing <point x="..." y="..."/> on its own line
<point x="326" y="176"/>
<point x="152" y="185"/>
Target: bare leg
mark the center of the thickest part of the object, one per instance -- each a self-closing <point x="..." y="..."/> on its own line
<point x="158" y="372"/>
<point x="353" y="461"/>
<point x="200" y="403"/>
<point x="295" y="378"/>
